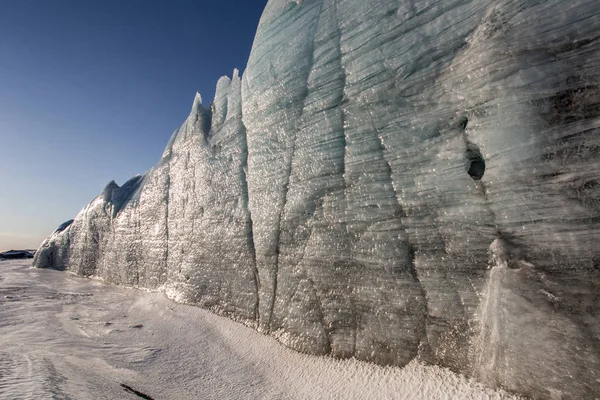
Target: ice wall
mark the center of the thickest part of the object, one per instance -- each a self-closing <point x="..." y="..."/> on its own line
<point x="390" y="179"/>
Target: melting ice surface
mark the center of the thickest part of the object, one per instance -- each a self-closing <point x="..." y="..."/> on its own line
<point x="389" y="180"/>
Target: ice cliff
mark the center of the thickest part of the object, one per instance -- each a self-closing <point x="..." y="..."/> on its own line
<point x="390" y="179"/>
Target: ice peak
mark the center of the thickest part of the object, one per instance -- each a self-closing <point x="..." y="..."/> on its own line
<point x="197" y="105"/>
<point x="111" y="185"/>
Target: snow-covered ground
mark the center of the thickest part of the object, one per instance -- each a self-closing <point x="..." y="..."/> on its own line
<point x="67" y="337"/>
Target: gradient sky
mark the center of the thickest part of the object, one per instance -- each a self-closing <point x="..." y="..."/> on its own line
<point x="91" y="91"/>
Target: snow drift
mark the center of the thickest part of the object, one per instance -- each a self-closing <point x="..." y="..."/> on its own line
<point x="390" y="179"/>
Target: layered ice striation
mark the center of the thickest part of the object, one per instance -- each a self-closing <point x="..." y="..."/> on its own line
<point x="390" y="179"/>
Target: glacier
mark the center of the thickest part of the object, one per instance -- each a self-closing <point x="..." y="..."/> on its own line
<point x="387" y="180"/>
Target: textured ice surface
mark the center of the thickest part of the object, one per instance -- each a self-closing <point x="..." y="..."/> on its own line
<point x="390" y="179"/>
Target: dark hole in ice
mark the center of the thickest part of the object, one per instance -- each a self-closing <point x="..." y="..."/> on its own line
<point x="463" y="122"/>
<point x="476" y="163"/>
<point x="477" y="169"/>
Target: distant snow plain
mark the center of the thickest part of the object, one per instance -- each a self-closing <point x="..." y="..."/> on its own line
<point x="68" y="337"/>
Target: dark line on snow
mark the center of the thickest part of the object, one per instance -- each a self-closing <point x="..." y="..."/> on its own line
<point x="139" y="394"/>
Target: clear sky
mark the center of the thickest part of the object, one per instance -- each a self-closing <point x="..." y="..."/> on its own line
<point x="91" y="91"/>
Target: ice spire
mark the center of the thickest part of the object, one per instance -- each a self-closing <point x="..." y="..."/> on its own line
<point x="200" y="113"/>
<point x="197" y="106"/>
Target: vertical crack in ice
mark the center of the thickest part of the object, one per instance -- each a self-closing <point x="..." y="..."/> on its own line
<point x="249" y="224"/>
<point x="288" y="175"/>
<point x="343" y="111"/>
<point x="321" y="317"/>
<point x="344" y="138"/>
<point x="399" y="212"/>
<point x="166" y="161"/>
<point x="415" y="317"/>
<point x="338" y="46"/>
<point x="328" y="66"/>
<point x="167" y="205"/>
<point x="422" y="326"/>
<point x="138" y="242"/>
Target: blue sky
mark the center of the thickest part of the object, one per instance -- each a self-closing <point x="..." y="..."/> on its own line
<point x="90" y="91"/>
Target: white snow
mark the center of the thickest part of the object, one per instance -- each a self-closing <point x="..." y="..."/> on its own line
<point x="64" y="336"/>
